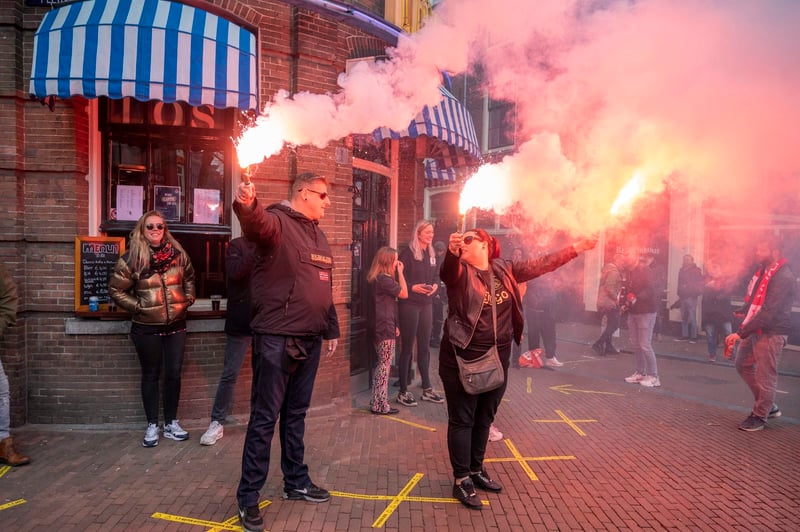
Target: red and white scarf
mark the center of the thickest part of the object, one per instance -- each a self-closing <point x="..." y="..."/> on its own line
<point x="756" y="294"/>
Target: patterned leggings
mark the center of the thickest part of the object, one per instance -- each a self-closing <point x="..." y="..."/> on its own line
<point x="380" y="381"/>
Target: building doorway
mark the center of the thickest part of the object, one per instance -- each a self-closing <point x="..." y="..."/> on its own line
<point x="370" y="232"/>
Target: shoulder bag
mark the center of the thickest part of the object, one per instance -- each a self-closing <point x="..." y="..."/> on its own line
<point x="486" y="372"/>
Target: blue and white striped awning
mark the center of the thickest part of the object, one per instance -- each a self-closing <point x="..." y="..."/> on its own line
<point x="435" y="175"/>
<point x="145" y="49"/>
<point x="448" y="121"/>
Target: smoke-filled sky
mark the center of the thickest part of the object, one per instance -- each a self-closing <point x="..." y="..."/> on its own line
<point x="704" y="93"/>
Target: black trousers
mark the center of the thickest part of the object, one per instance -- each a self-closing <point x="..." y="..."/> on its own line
<point x="469" y="417"/>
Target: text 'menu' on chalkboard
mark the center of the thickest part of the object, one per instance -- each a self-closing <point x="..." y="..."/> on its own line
<point x="95" y="258"/>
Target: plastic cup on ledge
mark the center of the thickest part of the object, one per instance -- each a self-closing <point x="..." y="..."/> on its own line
<point x="216" y="299"/>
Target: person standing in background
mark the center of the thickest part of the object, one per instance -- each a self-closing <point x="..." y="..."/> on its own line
<point x="717" y="316"/>
<point x="416" y="313"/>
<point x="8" y="316"/>
<point x="640" y="303"/>
<point x="607" y="304"/>
<point x="238" y="266"/>
<point x="690" y="287"/>
<point x="387" y="290"/>
<point x="154" y="281"/>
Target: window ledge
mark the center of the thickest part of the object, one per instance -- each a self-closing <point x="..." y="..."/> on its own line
<point x="195" y="324"/>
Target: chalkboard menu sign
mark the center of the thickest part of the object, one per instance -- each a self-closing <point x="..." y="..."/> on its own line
<point x="95" y="257"/>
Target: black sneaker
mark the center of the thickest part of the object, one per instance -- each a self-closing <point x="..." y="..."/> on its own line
<point x="465" y="493"/>
<point x="752" y="424"/>
<point x="774" y="412"/>
<point x="485" y="483"/>
<point x="311" y="493"/>
<point x="597" y="348"/>
<point x="250" y="518"/>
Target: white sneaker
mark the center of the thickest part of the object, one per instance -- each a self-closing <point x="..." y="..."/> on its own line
<point x="173" y="431"/>
<point x="213" y="434"/>
<point x="553" y="362"/>
<point x="651" y="381"/>
<point x="150" y="436"/>
<point x="636" y="377"/>
<point x="494" y="434"/>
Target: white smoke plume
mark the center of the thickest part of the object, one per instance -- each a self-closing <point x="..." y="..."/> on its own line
<point x="699" y="93"/>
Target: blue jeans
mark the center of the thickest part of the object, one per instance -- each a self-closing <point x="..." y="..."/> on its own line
<point x="279" y="390"/>
<point x="711" y="335"/>
<point x="757" y="359"/>
<point x="640" y="329"/>
<point x="415" y="323"/>
<point x="689" y="317"/>
<point x="5" y="404"/>
<point x="155" y="351"/>
<point x="235" y="350"/>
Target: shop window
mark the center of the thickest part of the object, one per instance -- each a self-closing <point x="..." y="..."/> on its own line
<point x="176" y="159"/>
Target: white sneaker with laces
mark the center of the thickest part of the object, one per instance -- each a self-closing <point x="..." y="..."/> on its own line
<point x="636" y="377"/>
<point x="214" y="433"/>
<point x="494" y="434"/>
<point x="651" y="381"/>
<point x="554" y="362"/>
<point x="150" y="436"/>
<point x="173" y="431"/>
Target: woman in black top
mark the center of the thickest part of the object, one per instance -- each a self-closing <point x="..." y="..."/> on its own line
<point x="416" y="312"/>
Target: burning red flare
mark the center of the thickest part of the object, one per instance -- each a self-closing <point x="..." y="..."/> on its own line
<point x="633" y="188"/>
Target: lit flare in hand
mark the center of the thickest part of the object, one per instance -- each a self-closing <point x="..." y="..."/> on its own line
<point x="633" y="188"/>
<point x="259" y="142"/>
<point x="487" y="189"/>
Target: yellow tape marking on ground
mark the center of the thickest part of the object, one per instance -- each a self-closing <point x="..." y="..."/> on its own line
<point x="568" y="421"/>
<point x="381" y="520"/>
<point x="529" y="385"/>
<point x="197" y="522"/>
<point x="411" y="423"/>
<point x="567" y="389"/>
<point x="234" y="521"/>
<point x="523" y="463"/>
<point x="11" y="504"/>
<point x="4" y="469"/>
<point x="228" y="524"/>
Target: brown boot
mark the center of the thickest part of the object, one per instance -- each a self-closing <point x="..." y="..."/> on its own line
<point x="10" y="456"/>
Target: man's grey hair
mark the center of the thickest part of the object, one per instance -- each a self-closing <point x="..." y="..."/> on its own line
<point x="303" y="181"/>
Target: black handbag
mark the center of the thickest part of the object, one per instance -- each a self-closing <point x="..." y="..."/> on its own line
<point x="485" y="373"/>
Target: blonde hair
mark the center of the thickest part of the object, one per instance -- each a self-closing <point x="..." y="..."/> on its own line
<point x="416" y="249"/>
<point x="139" y="250"/>
<point x="383" y="262"/>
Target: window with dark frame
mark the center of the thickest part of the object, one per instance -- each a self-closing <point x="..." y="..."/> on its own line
<point x="176" y="159"/>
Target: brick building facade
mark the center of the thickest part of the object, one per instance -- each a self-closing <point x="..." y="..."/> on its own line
<point x="66" y="367"/>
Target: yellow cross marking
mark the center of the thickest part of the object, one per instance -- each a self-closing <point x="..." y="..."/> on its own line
<point x="11" y="504"/>
<point x="528" y="386"/>
<point x="229" y="524"/>
<point x="397" y="499"/>
<point x="523" y="460"/>
<point x="4" y="469"/>
<point x="568" y="421"/>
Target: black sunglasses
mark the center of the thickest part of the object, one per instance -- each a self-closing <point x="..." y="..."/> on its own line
<point x="150" y="227"/>
<point x="469" y="238"/>
<point x="322" y="195"/>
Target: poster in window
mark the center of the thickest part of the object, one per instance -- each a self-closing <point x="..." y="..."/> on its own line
<point x="129" y="202"/>
<point x="167" y="202"/>
<point x="206" y="206"/>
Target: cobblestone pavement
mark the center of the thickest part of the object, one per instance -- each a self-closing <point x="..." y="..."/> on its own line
<point x="583" y="450"/>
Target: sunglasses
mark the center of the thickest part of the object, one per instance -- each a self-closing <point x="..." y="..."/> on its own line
<point x="469" y="238"/>
<point x="150" y="227"/>
<point x="322" y="195"/>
